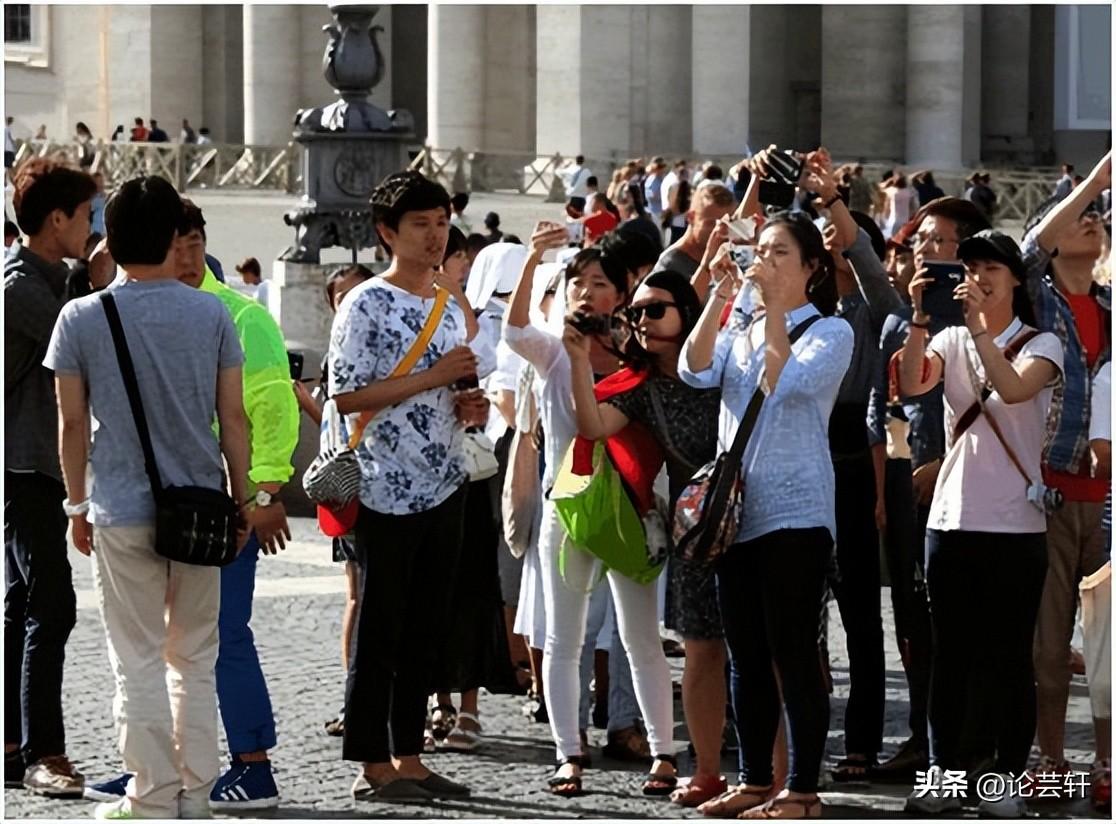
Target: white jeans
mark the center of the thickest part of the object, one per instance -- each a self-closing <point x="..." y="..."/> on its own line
<point x="161" y="621"/>
<point x="567" y="603"/>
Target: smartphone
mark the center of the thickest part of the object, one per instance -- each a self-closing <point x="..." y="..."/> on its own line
<point x="295" y="361"/>
<point x="937" y="298"/>
<point x="575" y="231"/>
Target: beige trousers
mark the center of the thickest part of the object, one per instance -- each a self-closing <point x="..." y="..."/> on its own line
<point x="1096" y="630"/>
<point x="1075" y="549"/>
<point x="161" y="621"/>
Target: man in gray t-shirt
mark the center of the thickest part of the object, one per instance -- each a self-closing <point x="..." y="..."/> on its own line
<point x="179" y="339"/>
<point x="160" y="616"/>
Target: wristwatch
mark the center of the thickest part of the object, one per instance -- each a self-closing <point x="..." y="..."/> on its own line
<point x="264" y="498"/>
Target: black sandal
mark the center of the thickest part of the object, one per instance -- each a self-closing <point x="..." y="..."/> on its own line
<point x="567" y="786"/>
<point x="855" y="769"/>
<point x="659" y="785"/>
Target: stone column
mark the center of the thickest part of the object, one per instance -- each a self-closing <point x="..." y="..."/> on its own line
<point x="509" y="79"/>
<point x="455" y="77"/>
<point x="721" y="87"/>
<point x="668" y="127"/>
<point x="223" y="73"/>
<point x="271" y="73"/>
<point x="943" y="86"/>
<point x="864" y="81"/>
<point x="1005" y="81"/>
<point x="584" y="76"/>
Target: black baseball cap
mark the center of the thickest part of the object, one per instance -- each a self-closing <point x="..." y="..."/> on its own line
<point x="991" y="244"/>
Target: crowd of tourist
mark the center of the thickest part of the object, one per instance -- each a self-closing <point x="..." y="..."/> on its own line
<point x="701" y="399"/>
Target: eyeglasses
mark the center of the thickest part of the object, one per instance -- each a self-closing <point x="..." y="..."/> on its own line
<point x="654" y="311"/>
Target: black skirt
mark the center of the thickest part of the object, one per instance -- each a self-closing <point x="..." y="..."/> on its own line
<point x="473" y="647"/>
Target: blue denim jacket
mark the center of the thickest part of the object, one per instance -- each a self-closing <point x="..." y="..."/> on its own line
<point x="925" y="413"/>
<point x="1067" y="428"/>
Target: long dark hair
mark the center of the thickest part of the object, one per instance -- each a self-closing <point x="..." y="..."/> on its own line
<point x="1021" y="304"/>
<point x="685" y="299"/>
<point x="821" y="288"/>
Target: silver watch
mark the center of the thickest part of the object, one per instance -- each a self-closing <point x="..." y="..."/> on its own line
<point x="264" y="498"/>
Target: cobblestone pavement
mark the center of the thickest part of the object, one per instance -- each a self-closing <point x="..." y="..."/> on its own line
<point x="298" y="606"/>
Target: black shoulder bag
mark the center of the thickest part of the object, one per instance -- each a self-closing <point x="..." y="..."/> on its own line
<point x="193" y="524"/>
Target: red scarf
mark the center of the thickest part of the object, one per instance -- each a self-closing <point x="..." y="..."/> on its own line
<point x="634" y="451"/>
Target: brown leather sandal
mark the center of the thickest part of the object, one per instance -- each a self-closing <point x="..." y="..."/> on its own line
<point x="792" y="808"/>
<point x="726" y="806"/>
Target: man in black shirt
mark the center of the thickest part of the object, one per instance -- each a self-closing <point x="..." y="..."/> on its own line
<point x="52" y="206"/>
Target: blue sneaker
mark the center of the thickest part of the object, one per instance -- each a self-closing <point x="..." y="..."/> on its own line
<point x="248" y="785"/>
<point x="111" y="790"/>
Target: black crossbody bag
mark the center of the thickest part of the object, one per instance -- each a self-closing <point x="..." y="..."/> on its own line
<point x="193" y="524"/>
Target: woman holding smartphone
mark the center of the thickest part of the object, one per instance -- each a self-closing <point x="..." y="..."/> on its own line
<point x="595" y="284"/>
<point x="986" y="540"/>
<point x="770" y="582"/>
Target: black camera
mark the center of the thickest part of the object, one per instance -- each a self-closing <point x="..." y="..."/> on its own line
<point x="783" y="171"/>
<point x="588" y="324"/>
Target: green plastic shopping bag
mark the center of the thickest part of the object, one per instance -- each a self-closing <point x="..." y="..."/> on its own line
<point x="599" y="518"/>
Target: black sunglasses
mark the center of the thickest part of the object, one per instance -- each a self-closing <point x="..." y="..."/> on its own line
<point x="655" y="311"/>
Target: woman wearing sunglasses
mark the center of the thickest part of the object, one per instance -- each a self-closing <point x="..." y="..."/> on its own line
<point x="663" y="311"/>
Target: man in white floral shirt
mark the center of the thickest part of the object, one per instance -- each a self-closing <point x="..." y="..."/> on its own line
<point x="412" y="486"/>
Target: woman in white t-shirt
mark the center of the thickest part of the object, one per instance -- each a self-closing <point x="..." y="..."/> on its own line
<point x="594" y="284"/>
<point x="986" y="539"/>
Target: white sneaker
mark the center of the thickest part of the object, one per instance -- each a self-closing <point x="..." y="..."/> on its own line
<point x="932" y="802"/>
<point x="1006" y="806"/>
<point x="113" y="811"/>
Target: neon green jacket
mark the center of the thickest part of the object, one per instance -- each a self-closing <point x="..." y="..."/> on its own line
<point x="269" y="401"/>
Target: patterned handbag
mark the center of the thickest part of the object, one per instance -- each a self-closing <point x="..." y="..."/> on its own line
<point x="708" y="512"/>
<point x="334" y="475"/>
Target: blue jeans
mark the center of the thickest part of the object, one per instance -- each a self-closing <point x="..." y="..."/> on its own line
<point x="39" y="611"/>
<point x="241" y="688"/>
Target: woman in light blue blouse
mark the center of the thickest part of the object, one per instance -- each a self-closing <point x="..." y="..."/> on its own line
<point x="770" y="582"/>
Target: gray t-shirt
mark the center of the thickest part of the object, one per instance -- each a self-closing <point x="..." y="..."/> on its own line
<point x="179" y="339"/>
<point x="678" y="261"/>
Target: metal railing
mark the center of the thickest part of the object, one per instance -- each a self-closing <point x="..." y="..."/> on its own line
<point x="239" y="166"/>
<point x="186" y="165"/>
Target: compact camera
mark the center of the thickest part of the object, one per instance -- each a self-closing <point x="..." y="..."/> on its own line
<point x="777" y="188"/>
<point x="1044" y="498"/>
<point x="588" y="324"/>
